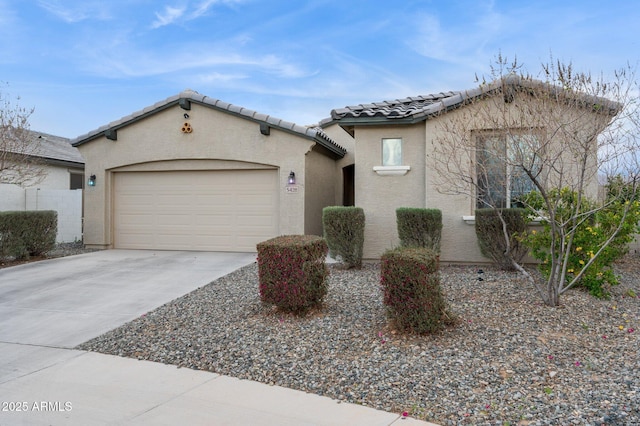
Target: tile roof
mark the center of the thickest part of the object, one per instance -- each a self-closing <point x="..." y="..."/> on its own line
<point x="420" y="108"/>
<point x="408" y="108"/>
<point x="314" y="133"/>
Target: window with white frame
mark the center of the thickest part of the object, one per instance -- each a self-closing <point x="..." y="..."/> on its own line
<point x="392" y="152"/>
<point x="503" y="160"/>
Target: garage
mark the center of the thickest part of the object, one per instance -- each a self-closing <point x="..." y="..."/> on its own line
<point x="196" y="173"/>
<point x="206" y="210"/>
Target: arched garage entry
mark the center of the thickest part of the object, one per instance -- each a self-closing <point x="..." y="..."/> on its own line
<point x="208" y="210"/>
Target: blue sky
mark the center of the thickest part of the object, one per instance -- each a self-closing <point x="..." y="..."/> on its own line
<point x="84" y="63"/>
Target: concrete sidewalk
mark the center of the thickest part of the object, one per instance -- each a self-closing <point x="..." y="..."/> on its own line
<point x="85" y="388"/>
<point x="49" y="307"/>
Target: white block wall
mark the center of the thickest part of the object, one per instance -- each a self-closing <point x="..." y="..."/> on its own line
<point x="68" y="204"/>
<point x="12" y="197"/>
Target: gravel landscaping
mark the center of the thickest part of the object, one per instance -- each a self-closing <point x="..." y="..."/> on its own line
<point x="509" y="361"/>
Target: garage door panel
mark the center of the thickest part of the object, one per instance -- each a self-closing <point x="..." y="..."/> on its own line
<point x="252" y="199"/>
<point x="229" y="210"/>
<point x="173" y="201"/>
<point x="135" y="220"/>
<point x="255" y="220"/>
<point x="176" y="220"/>
<point x="217" y="222"/>
<point x="136" y="201"/>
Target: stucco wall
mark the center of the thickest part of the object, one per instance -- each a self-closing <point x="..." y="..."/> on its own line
<point x="345" y="140"/>
<point x="459" y="242"/>
<point x="157" y="142"/>
<point x="57" y="178"/>
<point x="380" y="196"/>
<point x="320" y="189"/>
<point x="421" y="187"/>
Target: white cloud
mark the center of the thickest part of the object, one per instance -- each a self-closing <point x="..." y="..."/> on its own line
<point x="115" y="55"/>
<point x="453" y="44"/>
<point x="169" y="16"/>
<point x="78" y="12"/>
<point x="203" y="7"/>
<point x="215" y="78"/>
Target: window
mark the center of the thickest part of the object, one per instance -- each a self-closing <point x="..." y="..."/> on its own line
<point x="392" y="152"/>
<point x="502" y="161"/>
<point x="76" y="180"/>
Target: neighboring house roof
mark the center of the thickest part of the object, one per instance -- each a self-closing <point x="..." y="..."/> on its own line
<point x="420" y="108"/>
<point x="57" y="149"/>
<point x="313" y="133"/>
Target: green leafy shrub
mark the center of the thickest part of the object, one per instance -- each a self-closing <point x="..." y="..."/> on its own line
<point x="419" y="227"/>
<point x="491" y="240"/>
<point x="594" y="227"/>
<point x="344" y="231"/>
<point x="411" y="286"/>
<point x="292" y="272"/>
<point x="27" y="233"/>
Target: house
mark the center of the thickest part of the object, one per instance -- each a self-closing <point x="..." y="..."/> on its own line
<point x="397" y="149"/>
<point x="195" y="173"/>
<point x="57" y="187"/>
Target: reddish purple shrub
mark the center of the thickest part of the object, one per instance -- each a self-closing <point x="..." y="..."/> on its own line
<point x="411" y="286"/>
<point x="292" y="272"/>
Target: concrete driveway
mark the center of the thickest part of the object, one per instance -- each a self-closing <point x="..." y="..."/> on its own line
<point x="49" y="307"/>
<point x="67" y="301"/>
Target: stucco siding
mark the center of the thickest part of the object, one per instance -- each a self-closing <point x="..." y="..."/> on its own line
<point x="320" y="175"/>
<point x="380" y="196"/>
<point x="56" y="178"/>
<point x="459" y="241"/>
<point x="218" y="141"/>
<point x="345" y="140"/>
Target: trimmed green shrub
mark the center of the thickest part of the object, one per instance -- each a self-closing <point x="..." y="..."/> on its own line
<point x="292" y="272"/>
<point x="27" y="233"/>
<point x="419" y="227"/>
<point x="411" y="285"/>
<point x="491" y="238"/>
<point x="344" y="231"/>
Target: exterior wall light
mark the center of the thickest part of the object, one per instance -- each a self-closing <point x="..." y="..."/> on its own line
<point x="292" y="178"/>
<point x="92" y="180"/>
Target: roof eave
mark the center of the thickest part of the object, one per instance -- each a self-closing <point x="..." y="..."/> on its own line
<point x="81" y="140"/>
<point x="377" y="121"/>
<point x="63" y="163"/>
<point x="221" y="106"/>
<point x="283" y="126"/>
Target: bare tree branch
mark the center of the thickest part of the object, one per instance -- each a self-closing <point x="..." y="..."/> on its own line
<point x="21" y="162"/>
<point x="516" y="134"/>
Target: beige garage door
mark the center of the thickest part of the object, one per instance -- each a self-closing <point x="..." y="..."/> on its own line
<point x="230" y="210"/>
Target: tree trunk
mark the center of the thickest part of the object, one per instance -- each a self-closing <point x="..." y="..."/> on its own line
<point x="553" y="296"/>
